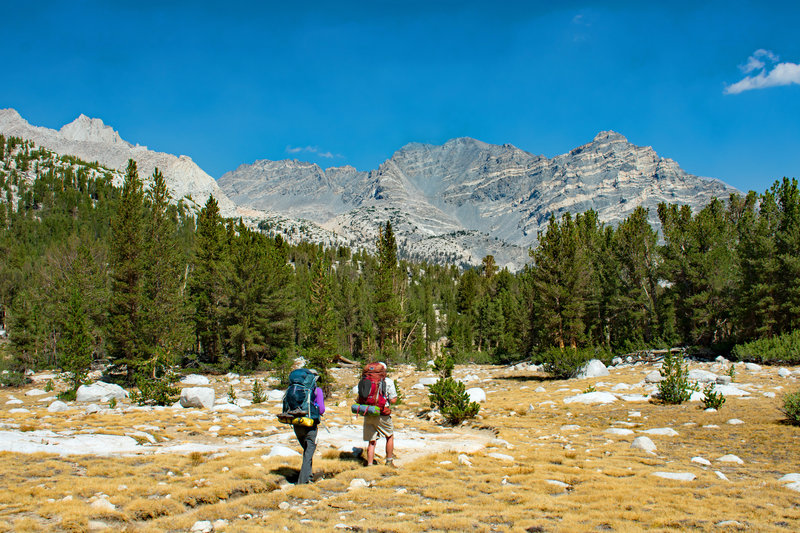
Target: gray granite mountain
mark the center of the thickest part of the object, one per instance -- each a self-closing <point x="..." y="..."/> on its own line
<point x="465" y="199"/>
<point x="91" y="140"/>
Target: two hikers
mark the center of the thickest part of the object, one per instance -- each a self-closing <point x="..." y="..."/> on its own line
<point x="303" y="407"/>
<point x="376" y="393"/>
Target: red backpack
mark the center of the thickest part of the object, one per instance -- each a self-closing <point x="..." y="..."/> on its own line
<point x="372" y="387"/>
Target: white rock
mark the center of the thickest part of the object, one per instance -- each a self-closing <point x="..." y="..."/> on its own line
<point x="730" y="390"/>
<point x="752" y="367"/>
<point x="701" y="461"/>
<point x="722" y="360"/>
<point x="769" y="394"/>
<point x="724" y="380"/>
<point x="593" y="369"/>
<point x="14" y="401"/>
<point x="19" y="410"/>
<point x="202" y="526"/>
<point x="654" y="377"/>
<point x="282" y="451"/>
<point x="789" y="478"/>
<point x="464" y="460"/>
<point x="678" y="476"/>
<point x="427" y="381"/>
<point x="220" y="524"/>
<point x="539" y="389"/>
<point x="664" y="432"/>
<point x="476" y="394"/>
<point x="617" y="361"/>
<point x="784" y="372"/>
<point x="720" y="475"/>
<point x="591" y="398"/>
<point x="275" y="395"/>
<point x="620" y="386"/>
<point x="201" y="397"/>
<point x="501" y="456"/>
<point x="228" y="407"/>
<point x="793" y="486"/>
<point x="634" y="398"/>
<point x="35" y="392"/>
<point x="697" y="396"/>
<point x="103" y="504"/>
<point x="730" y="458"/>
<point x="242" y="402"/>
<point x="100" y="392"/>
<point x="358" y="483"/>
<point x="619" y="431"/>
<point x="195" y="379"/>
<point x="57" y="407"/>
<point x="643" y="443"/>
<point x="214" y="429"/>
<point x="570" y="427"/>
<point x="557" y="483"/>
<point x="283" y="506"/>
<point x="735" y="422"/>
<point x="701" y="376"/>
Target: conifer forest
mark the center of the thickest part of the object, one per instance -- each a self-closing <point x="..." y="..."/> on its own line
<point x="90" y="272"/>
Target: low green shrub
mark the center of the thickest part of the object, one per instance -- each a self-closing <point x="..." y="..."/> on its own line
<point x="791" y="407"/>
<point x="781" y="349"/>
<point x="451" y="399"/>
<point x="711" y="398"/>
<point x="563" y="364"/>
<point x="258" y="392"/>
<point x="675" y="387"/>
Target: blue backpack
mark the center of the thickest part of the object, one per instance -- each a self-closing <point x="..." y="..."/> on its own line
<point x="298" y="401"/>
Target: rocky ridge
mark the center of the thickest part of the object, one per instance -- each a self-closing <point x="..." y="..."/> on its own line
<point x="91" y="140"/>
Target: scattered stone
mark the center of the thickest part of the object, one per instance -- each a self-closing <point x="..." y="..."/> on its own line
<point x="214" y="429"/>
<point x="619" y="431"/>
<point x="634" y="398"/>
<point x="557" y="483"/>
<point x="283" y="506"/>
<point x="570" y="427"/>
<point x="195" y="379"/>
<point x="57" y="407"/>
<point x="540" y="389"/>
<point x="228" y="407"/>
<point x="464" y="460"/>
<point x="769" y="394"/>
<point x="720" y="475"/>
<point x="427" y="382"/>
<point x="724" y="380"/>
<point x="730" y="390"/>
<point x="220" y="524"/>
<point x="701" y="376"/>
<point x="730" y="458"/>
<point x="793" y="486"/>
<point x="358" y="483"/>
<point x="281" y="451"/>
<point x="275" y="395"/>
<point x="643" y="443"/>
<point x="654" y="377"/>
<point x="789" y="478"/>
<point x="476" y="394"/>
<point x="784" y="372"/>
<point x="664" y="432"/>
<point x="678" y="476"/>
<point x="592" y="397"/>
<point x="752" y="367"/>
<point x="617" y="361"/>
<point x="728" y="523"/>
<point x="593" y="369"/>
<point x="19" y="410"/>
<point x="620" y="386"/>
<point x="200" y="397"/>
<point x="202" y="526"/>
<point x="735" y="422"/>
<point x="35" y="392"/>
<point x="103" y="504"/>
<point x="701" y="461"/>
<point x="14" y="401"/>
<point x="100" y="392"/>
<point x="97" y="525"/>
<point x="501" y="456"/>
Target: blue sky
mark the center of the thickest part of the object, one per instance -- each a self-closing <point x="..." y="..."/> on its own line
<point x="712" y="85"/>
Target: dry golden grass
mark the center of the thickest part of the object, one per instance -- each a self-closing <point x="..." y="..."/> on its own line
<point x="609" y="486"/>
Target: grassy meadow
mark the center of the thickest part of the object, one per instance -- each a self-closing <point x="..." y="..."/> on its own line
<point x="547" y="465"/>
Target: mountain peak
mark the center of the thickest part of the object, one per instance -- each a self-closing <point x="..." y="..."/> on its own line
<point x="89" y="129"/>
<point x="609" y="136"/>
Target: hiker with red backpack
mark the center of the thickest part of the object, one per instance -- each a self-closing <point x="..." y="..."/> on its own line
<point x="303" y="407"/>
<point x="375" y="393"/>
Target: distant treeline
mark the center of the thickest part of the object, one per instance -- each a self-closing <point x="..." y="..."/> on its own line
<point x="92" y="271"/>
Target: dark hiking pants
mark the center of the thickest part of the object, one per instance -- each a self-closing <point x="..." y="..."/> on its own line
<point x="307" y="437"/>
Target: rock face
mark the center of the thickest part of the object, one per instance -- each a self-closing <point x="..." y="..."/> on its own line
<point x="100" y="392"/>
<point x="456" y="199"/>
<point x="91" y="140"/>
<point x="202" y="397"/>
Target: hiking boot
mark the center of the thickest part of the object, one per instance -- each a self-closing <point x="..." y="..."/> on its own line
<point x="390" y="462"/>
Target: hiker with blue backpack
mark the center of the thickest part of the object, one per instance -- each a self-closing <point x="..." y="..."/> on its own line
<point x="303" y="407"/>
<point x="376" y="393"/>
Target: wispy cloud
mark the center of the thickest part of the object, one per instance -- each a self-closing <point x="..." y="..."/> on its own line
<point x="765" y="71"/>
<point x="311" y="150"/>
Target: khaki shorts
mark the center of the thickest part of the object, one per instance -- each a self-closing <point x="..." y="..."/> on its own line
<point x="374" y="425"/>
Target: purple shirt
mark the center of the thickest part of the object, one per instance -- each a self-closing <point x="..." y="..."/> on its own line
<point x="319" y="399"/>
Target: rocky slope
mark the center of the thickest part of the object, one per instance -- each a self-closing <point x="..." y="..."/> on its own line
<point x="467" y="198"/>
<point x="91" y="140"/>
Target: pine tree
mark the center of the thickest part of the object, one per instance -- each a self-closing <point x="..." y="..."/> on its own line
<point x="387" y="302"/>
<point x="77" y="345"/>
<point x="206" y="286"/>
<point x="787" y="245"/>
<point x="127" y="246"/>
